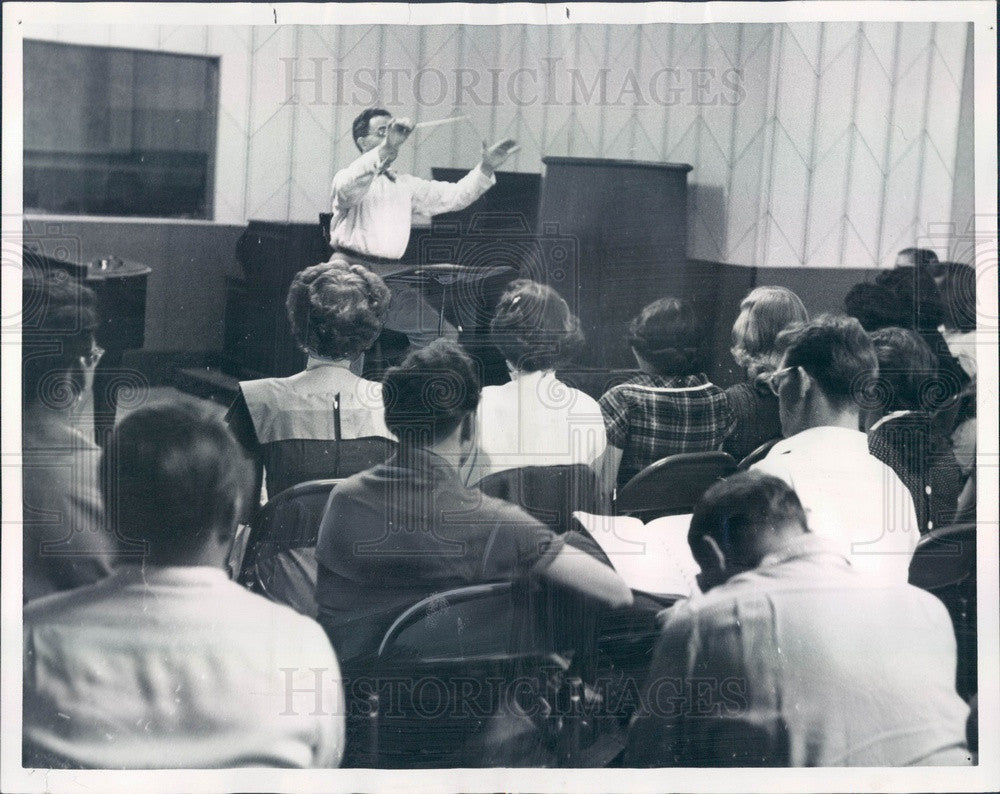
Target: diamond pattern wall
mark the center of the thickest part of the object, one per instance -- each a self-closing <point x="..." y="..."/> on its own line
<point x="818" y="144"/>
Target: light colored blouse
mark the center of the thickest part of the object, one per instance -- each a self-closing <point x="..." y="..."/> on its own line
<point x="536" y="420"/>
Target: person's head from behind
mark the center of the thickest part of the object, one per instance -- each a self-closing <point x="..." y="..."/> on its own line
<point x="922" y="258"/>
<point x="825" y="364"/>
<point x="336" y="309"/>
<point x="666" y="340"/>
<point x="174" y="480"/>
<point x="907" y="371"/>
<point x="59" y="318"/>
<point x="915" y="295"/>
<point x="764" y="313"/>
<point x="876" y="306"/>
<point x="369" y="128"/>
<point x="534" y="328"/>
<point x="431" y="398"/>
<point x="739" y="521"/>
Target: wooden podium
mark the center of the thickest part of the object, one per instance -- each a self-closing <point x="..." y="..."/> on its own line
<point x="624" y="224"/>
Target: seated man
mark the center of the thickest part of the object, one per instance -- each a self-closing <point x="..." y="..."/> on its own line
<point x="849" y="495"/>
<point x="168" y="664"/>
<point x="792" y="657"/>
<point x="66" y="544"/>
<point x="409" y="528"/>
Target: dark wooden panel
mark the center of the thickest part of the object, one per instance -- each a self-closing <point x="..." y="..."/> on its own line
<point x="624" y="223"/>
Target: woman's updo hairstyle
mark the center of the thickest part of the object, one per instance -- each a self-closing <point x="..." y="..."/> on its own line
<point x="534" y="327"/>
<point x="337" y="309"/>
<point x="666" y="335"/>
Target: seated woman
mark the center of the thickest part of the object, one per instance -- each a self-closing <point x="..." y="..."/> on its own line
<point x="295" y="428"/>
<point x="902" y="434"/>
<point x="764" y="313"/>
<point x="671" y="407"/>
<point x="535" y="420"/>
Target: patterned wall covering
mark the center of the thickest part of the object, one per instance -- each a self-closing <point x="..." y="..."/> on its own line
<point x="836" y="144"/>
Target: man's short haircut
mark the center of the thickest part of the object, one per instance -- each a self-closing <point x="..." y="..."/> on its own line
<point x="907" y="370"/>
<point x="764" y="313"/>
<point x="172" y="472"/>
<point x="835" y="351"/>
<point x="361" y="126"/>
<point x="59" y="317"/>
<point x="430" y="393"/>
<point x="921" y="257"/>
<point x="534" y="328"/>
<point x="667" y="336"/>
<point x="734" y="511"/>
<point x="337" y="309"/>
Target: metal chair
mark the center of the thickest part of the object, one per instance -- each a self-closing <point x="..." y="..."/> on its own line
<point x="280" y="558"/>
<point x="673" y="485"/>
<point x="757" y="455"/>
<point x="549" y="493"/>
<point x="944" y="564"/>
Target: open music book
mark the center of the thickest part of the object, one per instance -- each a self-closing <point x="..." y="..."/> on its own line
<point x="654" y="558"/>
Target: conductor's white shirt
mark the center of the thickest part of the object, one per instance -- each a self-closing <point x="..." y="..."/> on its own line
<point x="372" y="214"/>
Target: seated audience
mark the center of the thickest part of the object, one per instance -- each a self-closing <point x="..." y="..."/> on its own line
<point x="907" y="297"/>
<point x="849" y="495"/>
<point x="167" y="663"/>
<point x="763" y="314"/>
<point x="792" y="657"/>
<point x="903" y="434"/>
<point x="66" y="543"/>
<point x="671" y="407"/>
<point x="535" y="420"/>
<point x="295" y="428"/>
<point x="409" y="528"/>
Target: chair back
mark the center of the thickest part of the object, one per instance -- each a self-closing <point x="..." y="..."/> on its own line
<point x="757" y="455"/>
<point x="280" y="558"/>
<point x="944" y="557"/>
<point x="325" y="219"/>
<point x="673" y="485"/>
<point x="549" y="493"/>
<point x="944" y="564"/>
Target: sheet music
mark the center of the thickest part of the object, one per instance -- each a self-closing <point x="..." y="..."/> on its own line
<point x="654" y="558"/>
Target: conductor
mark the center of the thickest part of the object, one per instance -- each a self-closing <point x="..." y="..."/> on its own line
<point x="374" y="208"/>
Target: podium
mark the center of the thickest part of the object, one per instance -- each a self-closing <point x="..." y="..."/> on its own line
<point x="624" y="227"/>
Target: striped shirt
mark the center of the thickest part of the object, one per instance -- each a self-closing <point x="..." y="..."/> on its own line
<point x="649" y="418"/>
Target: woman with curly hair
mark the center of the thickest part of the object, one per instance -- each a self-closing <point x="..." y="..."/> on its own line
<point x="324" y="421"/>
<point x="764" y="313"/>
<point x="535" y="419"/>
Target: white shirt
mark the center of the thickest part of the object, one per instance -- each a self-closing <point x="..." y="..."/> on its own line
<point x="850" y="497"/>
<point x="537" y="420"/>
<point x="373" y="214"/>
<point x="178" y="667"/>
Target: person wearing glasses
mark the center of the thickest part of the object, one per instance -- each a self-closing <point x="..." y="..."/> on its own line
<point x="827" y="372"/>
<point x="66" y="544"/>
<point x="374" y="207"/>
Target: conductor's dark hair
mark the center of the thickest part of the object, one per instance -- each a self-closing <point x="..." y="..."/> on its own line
<point x="361" y="125"/>
<point x="667" y="336"/>
<point x="337" y="309"/>
<point x="58" y="319"/>
<point x="834" y="351"/>
<point x="907" y="368"/>
<point x="534" y="328"/>
<point x="171" y="473"/>
<point x="430" y="393"/>
<point x="735" y="511"/>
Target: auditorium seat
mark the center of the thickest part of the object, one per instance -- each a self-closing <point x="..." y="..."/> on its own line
<point x="671" y="486"/>
<point x="280" y="557"/>
<point x="757" y="455"/>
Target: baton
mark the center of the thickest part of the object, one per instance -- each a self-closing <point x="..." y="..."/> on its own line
<point x="423" y="125"/>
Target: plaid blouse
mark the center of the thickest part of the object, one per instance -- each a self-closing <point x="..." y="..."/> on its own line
<point x="650" y="417"/>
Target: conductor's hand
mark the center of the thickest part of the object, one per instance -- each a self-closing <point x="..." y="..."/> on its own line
<point x="396" y="134"/>
<point x="494" y="156"/>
